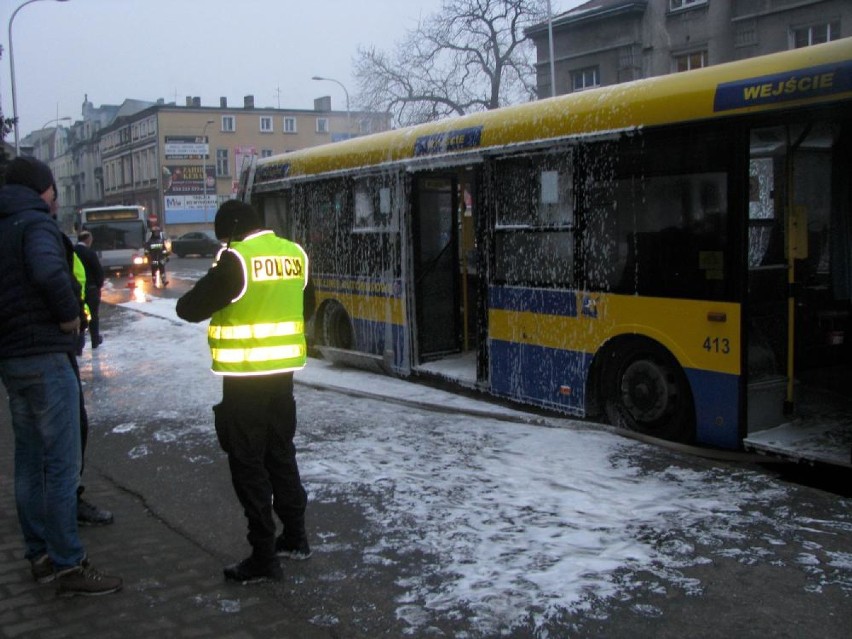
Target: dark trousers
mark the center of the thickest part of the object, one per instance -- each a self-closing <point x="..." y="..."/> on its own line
<point x="93" y="300"/>
<point x="255" y="424"/>
<point x="84" y="422"/>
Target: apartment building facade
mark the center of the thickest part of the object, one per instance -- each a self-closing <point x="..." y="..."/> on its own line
<point x="606" y="42"/>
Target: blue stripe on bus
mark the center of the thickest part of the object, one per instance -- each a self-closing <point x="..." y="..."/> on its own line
<point x="371" y="337"/>
<point x="544" y="301"/>
<point x="455" y="140"/>
<point x="543" y="376"/>
<point x="554" y="378"/>
<point x="807" y="83"/>
<point x="716" y="397"/>
<point x="354" y="285"/>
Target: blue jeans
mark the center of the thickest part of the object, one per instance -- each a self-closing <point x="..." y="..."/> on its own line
<point x="44" y="400"/>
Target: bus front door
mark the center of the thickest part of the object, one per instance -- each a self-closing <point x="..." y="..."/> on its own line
<point x="800" y="284"/>
<point x="436" y="266"/>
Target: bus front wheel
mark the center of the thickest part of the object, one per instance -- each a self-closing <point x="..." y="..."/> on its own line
<point x="645" y="390"/>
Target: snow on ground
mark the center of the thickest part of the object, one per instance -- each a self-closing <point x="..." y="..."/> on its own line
<point x="521" y="520"/>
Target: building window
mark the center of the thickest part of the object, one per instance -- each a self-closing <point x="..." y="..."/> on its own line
<point x="322" y="125"/>
<point x="289" y="125"/>
<point x="674" y="5"/>
<point x="689" y="61"/>
<point x="229" y="125"/>
<point x="265" y="124"/>
<point x="265" y="153"/>
<point x="222" y="164"/>
<point x="585" y="78"/>
<point x="815" y="34"/>
<point x="746" y="33"/>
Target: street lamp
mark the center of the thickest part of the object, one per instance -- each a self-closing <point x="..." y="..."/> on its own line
<point x="65" y="119"/>
<point x="12" y="72"/>
<point x="348" y="116"/>
<point x="204" y="166"/>
<point x="41" y="140"/>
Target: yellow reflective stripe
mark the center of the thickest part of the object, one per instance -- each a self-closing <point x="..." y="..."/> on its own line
<point x="256" y="331"/>
<point x="261" y="354"/>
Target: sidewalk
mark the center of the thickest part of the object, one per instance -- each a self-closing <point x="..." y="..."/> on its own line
<point x="172" y="587"/>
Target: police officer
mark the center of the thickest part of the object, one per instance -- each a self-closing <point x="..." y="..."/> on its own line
<point x="155" y="249"/>
<point x="255" y="297"/>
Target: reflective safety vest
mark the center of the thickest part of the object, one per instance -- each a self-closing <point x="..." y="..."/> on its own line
<point x="262" y="330"/>
<point x="80" y="276"/>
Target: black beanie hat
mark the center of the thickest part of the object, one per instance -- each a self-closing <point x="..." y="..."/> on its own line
<point x="235" y="219"/>
<point x="31" y="173"/>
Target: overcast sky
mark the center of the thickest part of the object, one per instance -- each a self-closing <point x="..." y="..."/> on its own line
<point x="149" y="49"/>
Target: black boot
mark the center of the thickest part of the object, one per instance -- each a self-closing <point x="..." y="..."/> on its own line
<point x="252" y="570"/>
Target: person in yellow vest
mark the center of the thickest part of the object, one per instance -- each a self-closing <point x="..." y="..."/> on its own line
<point x="255" y="297"/>
<point x="85" y="314"/>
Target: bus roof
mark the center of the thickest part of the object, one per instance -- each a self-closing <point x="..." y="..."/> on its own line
<point x="810" y="75"/>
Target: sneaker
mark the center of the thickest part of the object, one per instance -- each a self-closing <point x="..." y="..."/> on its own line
<point x="42" y="569"/>
<point x="90" y="515"/>
<point x="86" y="581"/>
<point x="298" y="550"/>
<point x="252" y="571"/>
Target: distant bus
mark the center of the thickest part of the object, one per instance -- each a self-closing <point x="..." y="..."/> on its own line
<point x="119" y="234"/>
<point x="673" y="254"/>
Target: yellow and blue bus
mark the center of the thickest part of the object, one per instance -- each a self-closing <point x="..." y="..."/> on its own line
<point x="674" y="253"/>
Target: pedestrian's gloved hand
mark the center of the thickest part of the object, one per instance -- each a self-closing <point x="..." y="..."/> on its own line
<point x="71" y="326"/>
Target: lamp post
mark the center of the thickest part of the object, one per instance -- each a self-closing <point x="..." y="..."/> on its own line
<point x="348" y="114"/>
<point x="12" y="73"/>
<point x="204" y="166"/>
<point x="550" y="47"/>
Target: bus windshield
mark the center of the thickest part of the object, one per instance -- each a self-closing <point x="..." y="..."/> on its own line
<point x="108" y="236"/>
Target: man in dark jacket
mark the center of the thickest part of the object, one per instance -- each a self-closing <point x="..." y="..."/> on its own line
<point x="257" y="299"/>
<point x="39" y="324"/>
<point x="94" y="283"/>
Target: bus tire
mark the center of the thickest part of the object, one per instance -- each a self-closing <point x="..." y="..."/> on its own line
<point x="646" y="390"/>
<point x="337" y="328"/>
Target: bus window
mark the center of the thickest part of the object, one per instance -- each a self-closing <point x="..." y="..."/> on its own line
<point x="329" y="225"/>
<point x="655" y="225"/>
<point x="276" y="212"/>
<point x="534" y="241"/>
<point x="374" y="245"/>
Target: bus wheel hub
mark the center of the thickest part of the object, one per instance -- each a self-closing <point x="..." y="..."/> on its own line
<point x="645" y="391"/>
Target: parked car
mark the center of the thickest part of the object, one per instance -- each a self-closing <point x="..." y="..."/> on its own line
<point x="196" y="243"/>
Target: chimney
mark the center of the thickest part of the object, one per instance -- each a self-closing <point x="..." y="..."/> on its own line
<point x="248" y="102"/>
<point x="223" y="103"/>
<point x="323" y="103"/>
<point x="189" y="100"/>
<point x="196" y="101"/>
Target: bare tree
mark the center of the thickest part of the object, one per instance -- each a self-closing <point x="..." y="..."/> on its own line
<point x="472" y="56"/>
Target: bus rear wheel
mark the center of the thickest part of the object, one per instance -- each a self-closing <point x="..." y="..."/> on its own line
<point x="645" y="390"/>
<point x="336" y="327"/>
